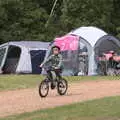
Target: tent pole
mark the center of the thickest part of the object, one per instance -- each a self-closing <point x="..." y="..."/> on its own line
<point x="51" y="13"/>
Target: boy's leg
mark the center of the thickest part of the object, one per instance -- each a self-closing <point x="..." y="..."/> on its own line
<point x="58" y="73"/>
<point x="49" y="74"/>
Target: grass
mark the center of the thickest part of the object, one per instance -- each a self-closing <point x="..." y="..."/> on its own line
<point x="101" y="109"/>
<point x="12" y="82"/>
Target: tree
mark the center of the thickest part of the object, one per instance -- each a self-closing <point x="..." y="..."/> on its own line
<point x="23" y="20"/>
<point x="78" y="13"/>
<point x="26" y="19"/>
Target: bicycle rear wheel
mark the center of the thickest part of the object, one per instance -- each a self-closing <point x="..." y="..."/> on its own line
<point x="62" y="87"/>
<point x="43" y="88"/>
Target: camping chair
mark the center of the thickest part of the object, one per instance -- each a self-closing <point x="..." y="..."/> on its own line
<point x="113" y="67"/>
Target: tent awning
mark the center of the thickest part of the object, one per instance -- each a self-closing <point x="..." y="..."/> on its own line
<point x="67" y="42"/>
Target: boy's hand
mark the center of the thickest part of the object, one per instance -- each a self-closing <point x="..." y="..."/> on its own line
<point x="41" y="66"/>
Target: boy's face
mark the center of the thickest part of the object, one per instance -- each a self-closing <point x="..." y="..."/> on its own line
<point x="55" y="51"/>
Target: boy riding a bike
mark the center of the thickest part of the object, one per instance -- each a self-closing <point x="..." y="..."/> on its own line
<point x="55" y="63"/>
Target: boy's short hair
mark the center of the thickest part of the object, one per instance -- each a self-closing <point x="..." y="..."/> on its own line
<point x="56" y="47"/>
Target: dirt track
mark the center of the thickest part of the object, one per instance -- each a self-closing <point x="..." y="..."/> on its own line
<point x="27" y="100"/>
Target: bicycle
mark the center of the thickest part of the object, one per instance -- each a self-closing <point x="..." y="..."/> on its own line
<point x="60" y="84"/>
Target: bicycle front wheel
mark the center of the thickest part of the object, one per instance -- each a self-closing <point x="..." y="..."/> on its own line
<point x="43" y="88"/>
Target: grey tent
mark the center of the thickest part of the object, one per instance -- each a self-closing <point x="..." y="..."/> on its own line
<point x="97" y="42"/>
<point x="91" y="43"/>
<point x="22" y="56"/>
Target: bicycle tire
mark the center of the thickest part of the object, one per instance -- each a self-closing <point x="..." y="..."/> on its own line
<point x="62" y="84"/>
<point x="44" y="82"/>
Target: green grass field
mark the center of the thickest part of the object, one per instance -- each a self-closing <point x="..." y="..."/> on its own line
<point x="12" y="82"/>
<point x="101" y="109"/>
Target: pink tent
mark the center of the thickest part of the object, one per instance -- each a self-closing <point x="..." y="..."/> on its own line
<point x="67" y="42"/>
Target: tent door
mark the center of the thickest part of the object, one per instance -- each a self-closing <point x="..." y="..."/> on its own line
<point x="83" y="57"/>
<point x="3" y="53"/>
<point x="37" y="57"/>
<point x="12" y="59"/>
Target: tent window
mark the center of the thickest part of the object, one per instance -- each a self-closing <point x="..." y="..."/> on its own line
<point x="70" y="58"/>
<point x="12" y="59"/>
<point x="2" y="54"/>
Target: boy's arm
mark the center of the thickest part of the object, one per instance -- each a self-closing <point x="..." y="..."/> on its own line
<point x="46" y="60"/>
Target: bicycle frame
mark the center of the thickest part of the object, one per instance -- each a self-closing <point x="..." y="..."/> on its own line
<point x="55" y="77"/>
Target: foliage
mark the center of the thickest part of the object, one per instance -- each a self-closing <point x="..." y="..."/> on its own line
<point x="26" y="19"/>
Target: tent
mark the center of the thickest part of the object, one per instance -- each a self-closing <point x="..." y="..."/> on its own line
<point x="81" y="47"/>
<point x="22" y="56"/>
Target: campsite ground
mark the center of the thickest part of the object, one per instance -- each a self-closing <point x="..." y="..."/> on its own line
<point x="13" y="82"/>
<point x="100" y="109"/>
<point x="14" y="101"/>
